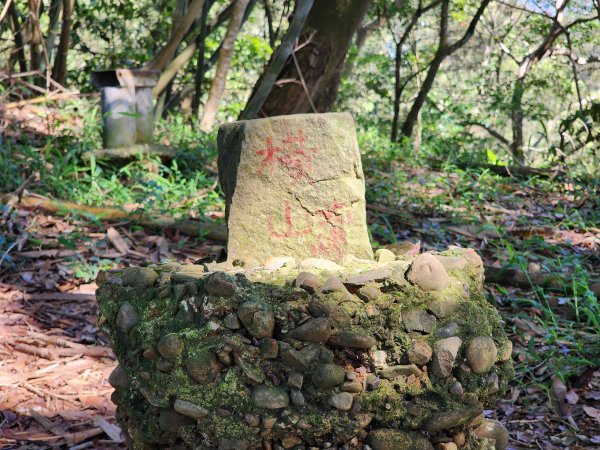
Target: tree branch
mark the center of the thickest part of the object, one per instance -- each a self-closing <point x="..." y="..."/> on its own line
<point x="471" y="29"/>
<point x="491" y="132"/>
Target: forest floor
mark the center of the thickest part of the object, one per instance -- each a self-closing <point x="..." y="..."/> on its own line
<point x="54" y="363"/>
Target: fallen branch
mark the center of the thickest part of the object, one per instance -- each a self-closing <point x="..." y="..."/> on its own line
<point x="35" y="351"/>
<point x="512" y="171"/>
<point x="44" y="99"/>
<point x="74" y="348"/>
<point x="211" y="231"/>
<point x="505" y="171"/>
<point x="555" y="282"/>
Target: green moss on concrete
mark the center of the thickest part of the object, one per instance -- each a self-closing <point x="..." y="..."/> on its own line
<point x="178" y="303"/>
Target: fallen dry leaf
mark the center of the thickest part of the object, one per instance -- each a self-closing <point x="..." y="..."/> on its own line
<point x="117" y="241"/>
<point x="571" y="397"/>
<point x="112" y="431"/>
<point x="592" y="412"/>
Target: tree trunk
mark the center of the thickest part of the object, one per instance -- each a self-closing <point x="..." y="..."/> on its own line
<point x="361" y="36"/>
<point x="419" y="132"/>
<point x="413" y="114"/>
<point x="269" y="17"/>
<point x="265" y="83"/>
<point x="444" y="50"/>
<point x="218" y="83"/>
<point x="201" y="45"/>
<point x="525" y="66"/>
<point x="398" y="86"/>
<point x="35" y="34"/>
<point x="326" y="37"/>
<point x="53" y="27"/>
<point x="165" y="54"/>
<point x="171" y="70"/>
<point x="516" y="115"/>
<point x="59" y="72"/>
<point x="397" y="92"/>
<point x="19" y="50"/>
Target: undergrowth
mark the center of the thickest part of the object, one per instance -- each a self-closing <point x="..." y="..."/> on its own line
<point x="419" y="203"/>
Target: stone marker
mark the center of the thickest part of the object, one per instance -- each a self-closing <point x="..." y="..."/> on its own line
<point x="294" y="186"/>
<point x="272" y="348"/>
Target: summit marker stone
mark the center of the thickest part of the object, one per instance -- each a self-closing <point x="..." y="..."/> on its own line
<point x="294" y="186"/>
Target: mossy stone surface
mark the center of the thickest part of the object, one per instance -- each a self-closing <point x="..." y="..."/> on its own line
<point x="297" y="366"/>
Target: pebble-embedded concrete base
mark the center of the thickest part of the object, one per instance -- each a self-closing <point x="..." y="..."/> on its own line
<point x="399" y="353"/>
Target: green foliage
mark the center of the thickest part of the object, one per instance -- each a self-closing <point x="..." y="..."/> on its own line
<point x="61" y="167"/>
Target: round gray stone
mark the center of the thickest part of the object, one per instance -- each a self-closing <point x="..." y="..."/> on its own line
<point x="481" y="354"/>
<point x="328" y="375"/>
<point x="270" y="397"/>
<point x="495" y="431"/>
<point x="428" y="273"/>
<point x="314" y="330"/>
<point x="170" y="346"/>
<point x="139" y="277"/>
<point x="118" y="378"/>
<point x="342" y="401"/>
<point x="127" y="317"/>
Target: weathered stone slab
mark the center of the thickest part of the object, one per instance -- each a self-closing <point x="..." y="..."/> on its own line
<point x="294" y="186"/>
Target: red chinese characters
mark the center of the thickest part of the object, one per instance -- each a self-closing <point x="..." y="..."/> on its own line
<point x="293" y="155"/>
<point x="331" y="232"/>
<point x="327" y="226"/>
<point x="289" y="231"/>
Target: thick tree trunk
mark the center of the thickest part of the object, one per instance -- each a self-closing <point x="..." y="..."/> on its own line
<point x="280" y="56"/>
<point x="325" y="39"/>
<point x="218" y="84"/>
<point x="59" y="72"/>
